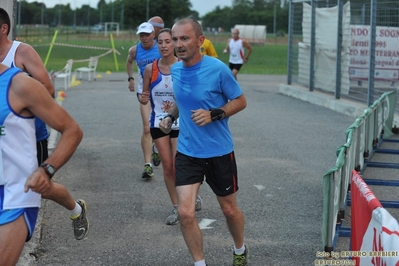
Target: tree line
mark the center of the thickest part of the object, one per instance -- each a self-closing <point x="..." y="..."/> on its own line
<point x="130" y="13"/>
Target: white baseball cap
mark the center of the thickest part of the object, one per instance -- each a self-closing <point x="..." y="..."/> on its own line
<point x="145" y="27"/>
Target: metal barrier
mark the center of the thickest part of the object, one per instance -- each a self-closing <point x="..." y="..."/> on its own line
<point x="363" y="139"/>
<point x="346" y="48"/>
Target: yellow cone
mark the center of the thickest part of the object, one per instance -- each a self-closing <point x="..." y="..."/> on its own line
<point x="75" y="82"/>
<point x="108" y="72"/>
<point x="99" y="76"/>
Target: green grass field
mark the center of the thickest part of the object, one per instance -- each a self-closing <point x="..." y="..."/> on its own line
<point x="268" y="59"/>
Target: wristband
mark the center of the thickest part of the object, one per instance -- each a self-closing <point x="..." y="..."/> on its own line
<point x="171" y="117"/>
<point x="128" y="80"/>
<point x="217" y="114"/>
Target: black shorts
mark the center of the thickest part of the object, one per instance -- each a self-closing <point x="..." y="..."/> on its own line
<point x="156" y="133"/>
<point x="42" y="151"/>
<point x="220" y="172"/>
<point x="235" y="66"/>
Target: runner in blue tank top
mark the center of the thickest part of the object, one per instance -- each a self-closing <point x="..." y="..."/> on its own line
<point x="144" y="53"/>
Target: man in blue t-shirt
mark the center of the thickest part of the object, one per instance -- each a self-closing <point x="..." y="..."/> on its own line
<point x="206" y="94"/>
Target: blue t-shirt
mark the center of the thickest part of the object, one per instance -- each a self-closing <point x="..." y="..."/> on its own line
<point x="207" y="84"/>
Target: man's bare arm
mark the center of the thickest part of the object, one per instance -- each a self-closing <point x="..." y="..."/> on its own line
<point x="29" y="97"/>
<point x="249" y="49"/>
<point x="30" y="62"/>
<point x="203" y="117"/>
<point x="131" y="57"/>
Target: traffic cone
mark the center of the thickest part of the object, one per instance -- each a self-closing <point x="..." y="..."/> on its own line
<point x="75" y="82"/>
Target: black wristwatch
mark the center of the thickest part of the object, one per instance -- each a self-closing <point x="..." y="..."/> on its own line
<point x="217" y="114"/>
<point x="171" y="117"/>
<point x="128" y="80"/>
<point x="50" y="170"/>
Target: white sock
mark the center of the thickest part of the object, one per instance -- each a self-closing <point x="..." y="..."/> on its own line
<point x="76" y="211"/>
<point x="239" y="251"/>
<point x="200" y="263"/>
<point x="150" y="164"/>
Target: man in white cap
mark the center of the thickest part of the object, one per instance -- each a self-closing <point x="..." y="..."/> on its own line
<point x="144" y="53"/>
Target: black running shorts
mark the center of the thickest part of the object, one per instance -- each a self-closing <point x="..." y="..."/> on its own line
<point x="42" y="151"/>
<point x="235" y="66"/>
<point x="156" y="133"/>
<point x="220" y="172"/>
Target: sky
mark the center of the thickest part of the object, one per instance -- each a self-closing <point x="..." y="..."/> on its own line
<point x="201" y="6"/>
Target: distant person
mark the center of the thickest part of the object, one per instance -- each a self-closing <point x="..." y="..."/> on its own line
<point x="206" y="95"/>
<point x="144" y="53"/>
<point x="23" y="56"/>
<point x="158" y="89"/>
<point x="235" y="46"/>
<point x="22" y="182"/>
<point x="157" y="23"/>
<point x="208" y="49"/>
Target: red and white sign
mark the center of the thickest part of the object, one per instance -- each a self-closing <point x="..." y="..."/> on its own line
<point x="374" y="232"/>
<point x="386" y="53"/>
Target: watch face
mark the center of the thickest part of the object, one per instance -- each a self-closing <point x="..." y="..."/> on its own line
<point x="50" y="169"/>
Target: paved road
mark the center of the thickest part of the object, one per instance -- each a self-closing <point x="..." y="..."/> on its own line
<point x="283" y="147"/>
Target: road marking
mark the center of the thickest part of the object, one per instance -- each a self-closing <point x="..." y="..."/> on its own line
<point x="203" y="224"/>
<point x="259" y="187"/>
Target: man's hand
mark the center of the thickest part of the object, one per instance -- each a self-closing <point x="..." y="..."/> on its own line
<point x="131" y="85"/>
<point x="166" y="125"/>
<point x="201" y="117"/>
<point x="38" y="181"/>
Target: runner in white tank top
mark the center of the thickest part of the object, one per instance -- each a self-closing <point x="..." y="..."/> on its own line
<point x="235" y="46"/>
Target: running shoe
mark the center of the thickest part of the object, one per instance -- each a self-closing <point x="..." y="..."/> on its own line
<point x="148" y="172"/>
<point x="172" y="219"/>
<point x="240" y="260"/>
<point x="80" y="223"/>
<point x="156" y="159"/>
<point x="198" y="203"/>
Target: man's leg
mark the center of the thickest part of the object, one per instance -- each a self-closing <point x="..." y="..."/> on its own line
<point x="234" y="218"/>
<point x="59" y="194"/>
<point x="12" y="240"/>
<point x="186" y="196"/>
<point x="235" y="72"/>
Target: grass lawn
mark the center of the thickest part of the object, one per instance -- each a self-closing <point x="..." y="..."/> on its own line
<point x="268" y="59"/>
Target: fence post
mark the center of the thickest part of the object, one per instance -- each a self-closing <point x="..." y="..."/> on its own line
<point x="290" y="41"/>
<point x="312" y="46"/>
<point x="373" y="24"/>
<point x="339" y="53"/>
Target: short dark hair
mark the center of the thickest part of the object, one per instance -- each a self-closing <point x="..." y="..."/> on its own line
<point x="195" y="24"/>
<point x="5" y="19"/>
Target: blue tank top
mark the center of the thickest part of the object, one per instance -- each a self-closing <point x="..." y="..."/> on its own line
<point x="143" y="58"/>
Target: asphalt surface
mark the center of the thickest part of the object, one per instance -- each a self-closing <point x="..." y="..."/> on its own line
<point x="283" y="148"/>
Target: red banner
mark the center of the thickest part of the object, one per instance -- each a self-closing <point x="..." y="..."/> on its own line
<point x="374" y="232"/>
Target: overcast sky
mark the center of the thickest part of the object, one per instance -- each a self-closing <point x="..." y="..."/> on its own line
<point x="201" y="6"/>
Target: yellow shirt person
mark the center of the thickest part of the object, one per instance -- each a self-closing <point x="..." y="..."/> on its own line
<point x="208" y="49"/>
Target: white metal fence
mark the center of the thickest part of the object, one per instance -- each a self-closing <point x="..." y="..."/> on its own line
<point x="346" y="48"/>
